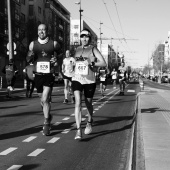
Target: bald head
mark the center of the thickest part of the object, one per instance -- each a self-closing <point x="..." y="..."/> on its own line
<point x="42" y="31"/>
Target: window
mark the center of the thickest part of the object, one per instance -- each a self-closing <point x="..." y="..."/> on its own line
<point x="76" y="26"/>
<point x="31" y="10"/>
<point x="75" y="35"/>
<point x="22" y="17"/>
<point x="39" y="10"/>
<point x="16" y="14"/>
<point x="23" y="2"/>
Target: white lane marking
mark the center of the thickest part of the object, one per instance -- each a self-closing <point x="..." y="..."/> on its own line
<point x="84" y="108"/>
<point x="57" y="123"/>
<point x="66" y="131"/>
<point x="131" y="91"/>
<point x="29" y="139"/>
<point x="72" y="114"/>
<point x="15" y="167"/>
<point x="53" y="140"/>
<point x="96" y="109"/>
<point x="7" y="151"/>
<point x="66" y="118"/>
<point x="36" y="152"/>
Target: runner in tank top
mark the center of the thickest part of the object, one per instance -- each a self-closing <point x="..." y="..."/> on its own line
<point x="122" y="77"/>
<point x="103" y="79"/>
<point x="43" y="51"/>
<point x="114" y="78"/>
<point x="84" y="79"/>
<point x="68" y="72"/>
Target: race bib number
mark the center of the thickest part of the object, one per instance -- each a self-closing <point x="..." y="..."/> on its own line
<point x="43" y="67"/>
<point x="81" y="68"/>
<point x="122" y="74"/>
<point x="114" y="77"/>
<point x="102" y="79"/>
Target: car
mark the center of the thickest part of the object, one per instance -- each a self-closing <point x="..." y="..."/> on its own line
<point x="164" y="79"/>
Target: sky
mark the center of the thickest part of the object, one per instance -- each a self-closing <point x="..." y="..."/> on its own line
<point x="142" y="23"/>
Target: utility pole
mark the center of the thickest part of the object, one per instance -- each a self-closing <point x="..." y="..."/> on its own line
<point x="11" y="51"/>
<point x="100" y="37"/>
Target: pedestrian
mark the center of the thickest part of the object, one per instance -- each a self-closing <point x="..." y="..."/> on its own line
<point x="10" y="70"/>
<point x="44" y="51"/>
<point x="68" y="72"/>
<point x="87" y="58"/>
<point x="29" y="77"/>
<point x="114" y="77"/>
<point x="103" y="79"/>
<point x="122" y="77"/>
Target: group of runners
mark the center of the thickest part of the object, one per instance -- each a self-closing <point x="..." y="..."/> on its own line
<point x="78" y="74"/>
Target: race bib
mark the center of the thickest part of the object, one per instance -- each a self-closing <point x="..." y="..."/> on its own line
<point x="114" y="77"/>
<point x="43" y="67"/>
<point x="122" y="74"/>
<point x="81" y="68"/>
<point x="102" y="79"/>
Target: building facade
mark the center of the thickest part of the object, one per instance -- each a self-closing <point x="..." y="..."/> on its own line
<point x="26" y="16"/>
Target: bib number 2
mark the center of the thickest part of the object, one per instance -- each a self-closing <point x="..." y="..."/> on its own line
<point x="81" y="68"/>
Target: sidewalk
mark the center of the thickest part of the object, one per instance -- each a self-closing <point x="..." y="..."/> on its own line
<point x="154" y="128"/>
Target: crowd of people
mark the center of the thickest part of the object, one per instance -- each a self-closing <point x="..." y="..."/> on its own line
<point x="79" y="74"/>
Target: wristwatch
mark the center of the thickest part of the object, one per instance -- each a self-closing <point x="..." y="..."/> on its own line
<point x="92" y="63"/>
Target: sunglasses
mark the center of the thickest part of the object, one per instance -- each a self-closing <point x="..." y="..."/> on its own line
<point x="83" y="35"/>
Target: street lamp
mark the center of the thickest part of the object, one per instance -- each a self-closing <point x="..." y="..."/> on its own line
<point x="100" y="37"/>
<point x="80" y="10"/>
<point x="161" y="61"/>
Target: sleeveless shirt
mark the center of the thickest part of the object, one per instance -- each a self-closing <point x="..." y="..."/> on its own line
<point x="39" y="49"/>
<point x="83" y="54"/>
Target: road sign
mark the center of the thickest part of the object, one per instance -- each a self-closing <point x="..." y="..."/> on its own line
<point x="14" y="46"/>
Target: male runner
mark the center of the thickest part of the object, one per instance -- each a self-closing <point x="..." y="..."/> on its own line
<point x="44" y="52"/>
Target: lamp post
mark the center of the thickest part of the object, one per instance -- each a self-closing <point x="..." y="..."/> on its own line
<point x="80" y="10"/>
<point x="11" y="52"/>
<point x="100" y="37"/>
<point x="161" y="62"/>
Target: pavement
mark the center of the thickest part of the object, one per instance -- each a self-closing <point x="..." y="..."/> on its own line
<point x="152" y="129"/>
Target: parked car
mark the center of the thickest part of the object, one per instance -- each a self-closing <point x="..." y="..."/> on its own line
<point x="164" y="79"/>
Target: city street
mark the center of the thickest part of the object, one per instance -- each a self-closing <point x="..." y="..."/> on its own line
<point x="22" y="145"/>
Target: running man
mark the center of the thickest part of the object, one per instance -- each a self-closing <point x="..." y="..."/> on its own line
<point x="68" y="72"/>
<point x="84" y="79"/>
<point x="122" y="78"/>
<point x="114" y="78"/>
<point x="44" y="52"/>
<point x="103" y="79"/>
<point x="10" y="70"/>
<point x="29" y="77"/>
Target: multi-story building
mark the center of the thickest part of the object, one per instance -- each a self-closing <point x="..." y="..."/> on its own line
<point x="26" y="15"/>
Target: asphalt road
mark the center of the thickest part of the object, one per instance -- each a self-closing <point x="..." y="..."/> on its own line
<point x="23" y="147"/>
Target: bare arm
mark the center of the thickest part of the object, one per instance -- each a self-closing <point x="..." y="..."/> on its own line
<point x="100" y="60"/>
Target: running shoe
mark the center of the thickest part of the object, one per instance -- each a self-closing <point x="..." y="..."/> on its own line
<point x="78" y="134"/>
<point x="65" y="101"/>
<point x="47" y="126"/>
<point x="46" y="129"/>
<point x="88" y="128"/>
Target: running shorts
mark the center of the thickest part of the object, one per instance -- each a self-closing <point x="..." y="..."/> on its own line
<point x="68" y="78"/>
<point x="43" y="80"/>
<point x="89" y="89"/>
